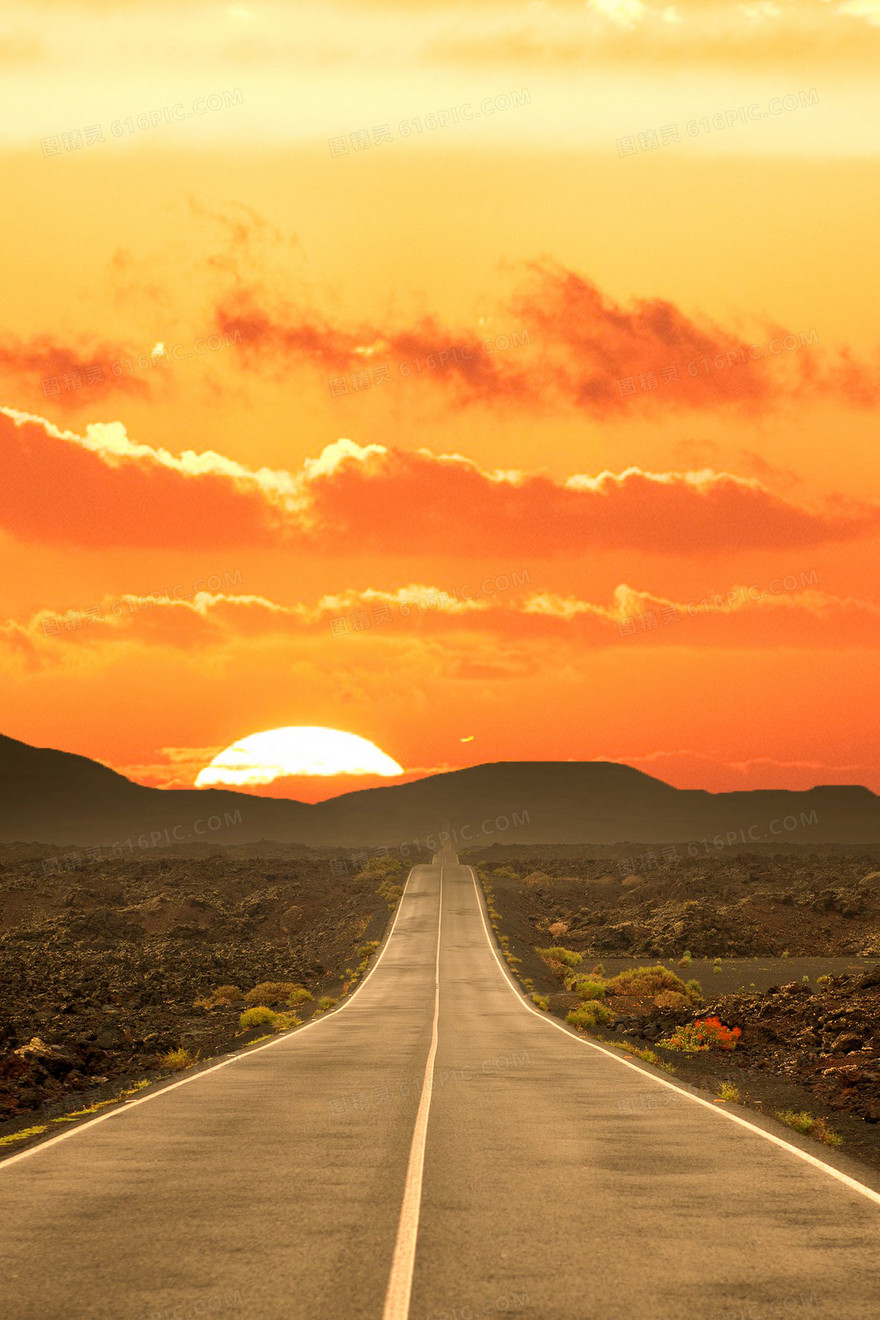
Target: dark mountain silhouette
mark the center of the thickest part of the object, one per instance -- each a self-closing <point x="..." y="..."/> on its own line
<point x="48" y="796"/>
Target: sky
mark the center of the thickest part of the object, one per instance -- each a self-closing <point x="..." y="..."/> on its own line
<point x="490" y="381"/>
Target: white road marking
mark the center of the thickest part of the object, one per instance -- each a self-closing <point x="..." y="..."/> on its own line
<point x="397" y="1298"/>
<point x="851" y="1183"/>
<point x="245" y="1053"/>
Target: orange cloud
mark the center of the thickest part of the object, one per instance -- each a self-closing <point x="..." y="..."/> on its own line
<point x="105" y="489"/>
<point x="566" y="344"/>
<point x="71" y="378"/>
<point x="493" y="628"/>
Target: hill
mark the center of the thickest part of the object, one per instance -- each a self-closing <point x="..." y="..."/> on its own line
<point x="49" y="796"/>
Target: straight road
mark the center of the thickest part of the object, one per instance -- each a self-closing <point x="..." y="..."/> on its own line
<point x="433" y="1149"/>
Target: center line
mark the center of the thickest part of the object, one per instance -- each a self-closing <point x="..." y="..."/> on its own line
<point x="403" y="1262"/>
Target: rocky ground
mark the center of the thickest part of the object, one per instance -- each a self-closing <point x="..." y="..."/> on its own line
<point x="726" y="904"/>
<point x="107" y="967"/>
<point x="808" y="1044"/>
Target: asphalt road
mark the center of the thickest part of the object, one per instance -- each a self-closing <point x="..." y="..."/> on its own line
<point x="431" y="1149"/>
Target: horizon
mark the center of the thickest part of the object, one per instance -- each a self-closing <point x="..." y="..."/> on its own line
<point x="353" y="786"/>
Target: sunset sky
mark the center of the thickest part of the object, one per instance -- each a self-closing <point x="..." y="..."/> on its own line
<point x="488" y="371"/>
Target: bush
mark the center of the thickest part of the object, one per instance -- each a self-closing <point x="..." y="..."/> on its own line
<point x="177" y="1060"/>
<point x="648" y="981"/>
<point x="694" y="990"/>
<point x="646" y="1055"/>
<point x="226" y="994"/>
<point x="271" y="992"/>
<point x="259" y="1016"/>
<point x="809" y="1126"/>
<point x="589" y="989"/>
<point x="592" y="1014"/>
<point x="326" y="1002"/>
<point x="559" y="955"/>
<point x="541" y="1001"/>
<point x="23" y="1134"/>
<point x="558" y="929"/>
<point x="704" y="1034"/>
<point x="729" y="1091"/>
<point x="299" y="996"/>
<point x="685" y="959"/>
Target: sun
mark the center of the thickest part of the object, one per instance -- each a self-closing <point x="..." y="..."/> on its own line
<point x="295" y="750"/>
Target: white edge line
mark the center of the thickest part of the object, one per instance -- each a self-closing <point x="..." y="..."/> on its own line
<point x="397" y="1297"/>
<point x="244" y="1053"/>
<point x="804" y="1155"/>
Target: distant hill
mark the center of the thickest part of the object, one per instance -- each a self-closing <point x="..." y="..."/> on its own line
<point x="49" y="796"/>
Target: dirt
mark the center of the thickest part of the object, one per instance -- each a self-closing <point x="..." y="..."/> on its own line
<point x="810" y="1023"/>
<point x="105" y="968"/>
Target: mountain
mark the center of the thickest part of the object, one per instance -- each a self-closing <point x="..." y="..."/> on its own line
<point x="49" y="796"/>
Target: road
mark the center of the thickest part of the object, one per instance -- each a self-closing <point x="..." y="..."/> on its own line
<point x="433" y="1148"/>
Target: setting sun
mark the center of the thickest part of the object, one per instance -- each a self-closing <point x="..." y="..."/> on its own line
<point x="295" y="750"/>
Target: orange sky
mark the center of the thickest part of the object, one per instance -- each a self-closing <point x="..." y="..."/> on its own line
<point x="428" y="372"/>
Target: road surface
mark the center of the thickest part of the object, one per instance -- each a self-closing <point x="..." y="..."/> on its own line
<point x="431" y="1149"/>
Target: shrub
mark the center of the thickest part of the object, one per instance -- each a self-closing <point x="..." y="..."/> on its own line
<point x="22" y="1134"/>
<point x="390" y="892"/>
<point x="177" y="1060"/>
<point x="271" y="992"/>
<point x="785" y="953"/>
<point x="646" y="1055"/>
<point x="704" y="1034"/>
<point x="589" y="989"/>
<point x="259" y="1016"/>
<point x="823" y="982"/>
<point x="809" y="1126"/>
<point x="541" y="1001"/>
<point x="558" y="929"/>
<point x="645" y="981"/>
<point x="685" y="959"/>
<point x="227" y="993"/>
<point x="567" y="957"/>
<point x="694" y="990"/>
<point x="326" y="1002"/>
<point x="716" y="966"/>
<point x="729" y="1091"/>
<point x="591" y="1014"/>
<point x="299" y="996"/>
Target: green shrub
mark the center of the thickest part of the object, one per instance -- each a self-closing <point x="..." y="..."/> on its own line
<point x="809" y="1126"/>
<point x="694" y="990"/>
<point x="177" y="1060"/>
<point x="541" y="1001"/>
<point x="22" y="1134"/>
<point x="648" y="981"/>
<point x="557" y="954"/>
<point x="271" y="992"/>
<point x="685" y="959"/>
<point x="592" y="1014"/>
<point x="590" y="989"/>
<point x="326" y="1002"/>
<point x="300" y="995"/>
<point x="640" y="1052"/>
<point x="258" y="1016"/>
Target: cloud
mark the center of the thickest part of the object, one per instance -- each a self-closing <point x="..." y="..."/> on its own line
<point x="71" y="378"/>
<point x="560" y="342"/>
<point x="103" y="489"/>
<point x="495" y="629"/>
